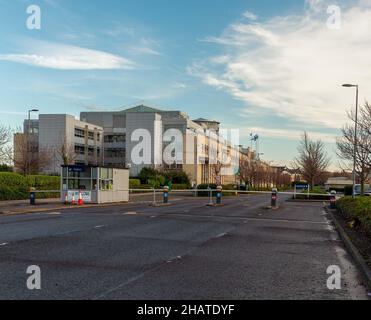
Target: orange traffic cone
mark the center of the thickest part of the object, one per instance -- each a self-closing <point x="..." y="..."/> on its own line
<point x="81" y="201"/>
<point x="73" y="199"/>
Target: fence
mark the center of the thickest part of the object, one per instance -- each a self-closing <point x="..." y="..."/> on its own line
<point x="211" y="193"/>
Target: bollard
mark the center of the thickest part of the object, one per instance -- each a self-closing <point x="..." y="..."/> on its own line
<point x="32" y="198"/>
<point x="333" y="200"/>
<point x="166" y="194"/>
<point x="274" y="198"/>
<point x="219" y="195"/>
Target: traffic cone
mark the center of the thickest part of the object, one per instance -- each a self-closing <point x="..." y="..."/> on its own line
<point x="73" y="199"/>
<point x="81" y="201"/>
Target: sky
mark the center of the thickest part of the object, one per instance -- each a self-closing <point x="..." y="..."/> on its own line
<point x="270" y="67"/>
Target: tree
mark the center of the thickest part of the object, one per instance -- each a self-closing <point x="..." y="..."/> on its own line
<point x="67" y="153"/>
<point x="312" y="159"/>
<point x="345" y="146"/>
<point x="27" y="157"/>
<point x="5" y="137"/>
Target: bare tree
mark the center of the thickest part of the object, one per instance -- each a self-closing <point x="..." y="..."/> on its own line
<point x="67" y="153"/>
<point x="5" y="137"/>
<point x="27" y="157"/>
<point x="312" y="159"/>
<point x="345" y="146"/>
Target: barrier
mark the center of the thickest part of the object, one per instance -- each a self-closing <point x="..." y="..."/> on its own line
<point x="333" y="200"/>
<point x="166" y="195"/>
<point x="219" y="195"/>
<point x="274" y="198"/>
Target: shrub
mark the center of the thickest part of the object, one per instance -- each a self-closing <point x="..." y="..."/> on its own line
<point x="176" y="176"/>
<point x="180" y="186"/>
<point x="5" y="168"/>
<point x="14" y="186"/>
<point x="358" y="209"/>
<point x="134" y="183"/>
<point x="147" y="174"/>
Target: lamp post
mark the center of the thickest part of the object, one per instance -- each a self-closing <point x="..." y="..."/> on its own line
<point x="355" y="137"/>
<point x="28" y="138"/>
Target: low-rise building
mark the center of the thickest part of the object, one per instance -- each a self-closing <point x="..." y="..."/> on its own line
<point x="59" y="139"/>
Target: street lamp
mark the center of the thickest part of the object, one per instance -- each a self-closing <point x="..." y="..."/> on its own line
<point x="28" y="138"/>
<point x="347" y="85"/>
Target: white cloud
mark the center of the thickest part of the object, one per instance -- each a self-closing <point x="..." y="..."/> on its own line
<point x="294" y="66"/>
<point x="66" y="57"/>
<point x="249" y="15"/>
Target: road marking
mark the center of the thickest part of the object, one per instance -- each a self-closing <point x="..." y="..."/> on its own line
<point x="100" y="227"/>
<point x="221" y="235"/>
<point x="53" y="213"/>
<point x="130" y="213"/>
<point x="3" y="244"/>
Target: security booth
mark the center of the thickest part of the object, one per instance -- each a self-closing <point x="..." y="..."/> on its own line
<point x="94" y="184"/>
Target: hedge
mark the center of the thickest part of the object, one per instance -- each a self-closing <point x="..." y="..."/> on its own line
<point x="358" y="209"/>
<point x="14" y="186"/>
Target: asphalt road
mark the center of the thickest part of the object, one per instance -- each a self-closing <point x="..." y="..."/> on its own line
<point x="183" y="251"/>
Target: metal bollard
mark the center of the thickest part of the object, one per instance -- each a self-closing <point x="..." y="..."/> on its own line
<point x="333" y="200"/>
<point x="32" y="198"/>
<point x="274" y="198"/>
<point x="166" y="194"/>
<point x="219" y="195"/>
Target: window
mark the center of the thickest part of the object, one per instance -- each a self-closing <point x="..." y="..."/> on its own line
<point x="115" y="153"/>
<point x="115" y="138"/>
<point x="79" y="149"/>
<point x="91" y="135"/>
<point x="106" y="179"/>
<point x="79" y="133"/>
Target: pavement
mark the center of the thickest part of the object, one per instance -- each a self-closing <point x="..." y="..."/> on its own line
<point x="183" y="251"/>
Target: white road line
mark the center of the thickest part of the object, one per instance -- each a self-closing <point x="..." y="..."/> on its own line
<point x="3" y="244"/>
<point x="53" y="213"/>
<point x="100" y="227"/>
<point x="130" y="213"/>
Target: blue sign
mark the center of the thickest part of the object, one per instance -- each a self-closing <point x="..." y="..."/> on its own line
<point x="302" y="186"/>
<point x="76" y="169"/>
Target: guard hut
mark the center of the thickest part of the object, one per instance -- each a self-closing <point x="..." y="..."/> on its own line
<point x="95" y="184"/>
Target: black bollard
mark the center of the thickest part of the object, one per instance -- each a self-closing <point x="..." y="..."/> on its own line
<point x="274" y="198"/>
<point x="333" y="200"/>
<point x="32" y="198"/>
<point x="219" y="195"/>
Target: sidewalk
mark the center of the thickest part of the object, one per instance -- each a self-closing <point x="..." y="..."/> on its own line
<point x="23" y="206"/>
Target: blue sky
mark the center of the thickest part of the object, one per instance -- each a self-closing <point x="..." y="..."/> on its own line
<point x="259" y="65"/>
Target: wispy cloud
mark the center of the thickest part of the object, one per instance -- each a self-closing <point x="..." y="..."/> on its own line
<point x="66" y="57"/>
<point x="289" y="134"/>
<point x="293" y="66"/>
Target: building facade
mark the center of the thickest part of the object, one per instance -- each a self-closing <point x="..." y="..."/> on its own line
<point x="59" y="139"/>
<point x="124" y="132"/>
<point x="136" y="138"/>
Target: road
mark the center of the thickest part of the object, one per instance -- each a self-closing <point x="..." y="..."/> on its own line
<point x="183" y="251"/>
